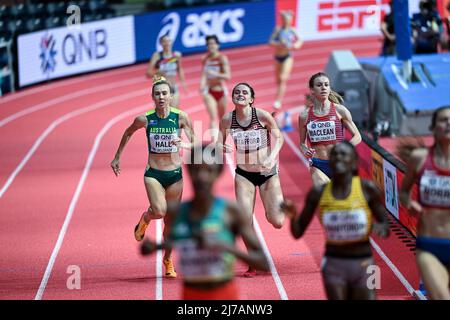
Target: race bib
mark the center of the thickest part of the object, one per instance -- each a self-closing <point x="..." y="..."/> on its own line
<point x="247" y="140"/>
<point x="435" y="190"/>
<point x="169" y="69"/>
<point x="321" y="131"/>
<point x="161" y="142"/>
<point x="215" y="68"/>
<point x="346" y="225"/>
<point x="200" y="263"/>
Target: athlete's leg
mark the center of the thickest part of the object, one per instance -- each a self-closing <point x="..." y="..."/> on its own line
<point x="245" y="196"/>
<point x="362" y="293"/>
<point x="434" y="274"/>
<point x="245" y="193"/>
<point x="211" y="106"/>
<point x="157" y="208"/>
<point x="285" y="69"/>
<point x="318" y="177"/>
<point x="272" y="197"/>
<point x="336" y="292"/>
<point x="173" y="195"/>
<point x="222" y="107"/>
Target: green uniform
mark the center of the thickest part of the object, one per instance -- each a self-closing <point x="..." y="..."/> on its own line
<point x="160" y="133"/>
<point x="197" y="264"/>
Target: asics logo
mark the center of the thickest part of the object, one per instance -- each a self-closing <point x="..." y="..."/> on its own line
<point x="171" y="26"/>
<point x="226" y="24"/>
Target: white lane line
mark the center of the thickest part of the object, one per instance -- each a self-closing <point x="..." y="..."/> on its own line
<point x="397" y="272"/>
<point x="273" y="269"/>
<point x="77" y="193"/>
<point x="67" y="97"/>
<point x="95" y="106"/>
<point x="56" y="123"/>
<point x="388" y="262"/>
<point x="67" y="82"/>
<point x="112" y="85"/>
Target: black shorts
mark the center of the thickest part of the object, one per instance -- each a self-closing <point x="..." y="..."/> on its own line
<point x="257" y="178"/>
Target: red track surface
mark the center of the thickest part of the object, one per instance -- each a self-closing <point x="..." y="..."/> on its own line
<point x="46" y="150"/>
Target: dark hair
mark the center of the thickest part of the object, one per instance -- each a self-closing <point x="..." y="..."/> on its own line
<point x="164" y="36"/>
<point x="207" y="153"/>
<point x="333" y="97"/>
<point x="212" y="36"/>
<point x="157" y="80"/>
<point x="353" y="148"/>
<point x="435" y="114"/>
<point x="252" y="92"/>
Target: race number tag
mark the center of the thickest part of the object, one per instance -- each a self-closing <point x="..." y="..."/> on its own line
<point x="161" y="142"/>
<point x="346" y="225"/>
<point x="199" y="263"/>
<point x="435" y="190"/>
<point x="321" y="131"/>
<point x="212" y="66"/>
<point x="247" y="140"/>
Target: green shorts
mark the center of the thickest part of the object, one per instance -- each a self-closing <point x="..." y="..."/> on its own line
<point x="165" y="178"/>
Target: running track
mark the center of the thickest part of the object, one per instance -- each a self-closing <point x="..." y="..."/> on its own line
<point x="61" y="205"/>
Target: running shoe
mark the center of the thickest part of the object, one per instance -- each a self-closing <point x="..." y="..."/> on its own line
<point x="277" y="105"/>
<point x="250" y="273"/>
<point x="170" y="270"/>
<point x="139" y="230"/>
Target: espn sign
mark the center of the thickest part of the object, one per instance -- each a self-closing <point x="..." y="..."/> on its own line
<point x="327" y="19"/>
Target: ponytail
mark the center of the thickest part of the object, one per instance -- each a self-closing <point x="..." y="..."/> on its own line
<point x="159" y="79"/>
<point x="335" y="97"/>
<point x="407" y="145"/>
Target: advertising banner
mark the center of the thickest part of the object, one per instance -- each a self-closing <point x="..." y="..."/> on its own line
<point x="390" y="188"/>
<point x="235" y="25"/>
<point x="331" y="19"/>
<point x="64" y="51"/>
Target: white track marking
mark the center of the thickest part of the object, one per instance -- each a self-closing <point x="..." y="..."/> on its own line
<point x="67" y="97"/>
<point x="77" y="193"/>
<point x="238" y="61"/>
<point x="56" y="123"/>
<point x="95" y="106"/>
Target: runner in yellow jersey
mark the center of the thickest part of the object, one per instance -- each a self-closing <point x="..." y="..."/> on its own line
<point x="347" y="208"/>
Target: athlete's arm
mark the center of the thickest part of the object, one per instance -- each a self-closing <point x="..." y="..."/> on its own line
<point x="298" y="42"/>
<point x="181" y="72"/>
<point x="151" y="65"/>
<point x="300" y="224"/>
<point x="203" y="84"/>
<point x="241" y="225"/>
<point x="138" y="123"/>
<point x="274" y="132"/>
<point x="373" y="197"/>
<point x="272" y="41"/>
<point x="414" y="165"/>
<point x="308" y="152"/>
<point x="224" y="125"/>
<point x="347" y="120"/>
<point x="186" y="125"/>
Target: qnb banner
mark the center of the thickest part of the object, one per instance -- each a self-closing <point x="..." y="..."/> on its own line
<point x="329" y="19"/>
<point x="64" y="51"/>
<point x="234" y="24"/>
